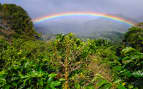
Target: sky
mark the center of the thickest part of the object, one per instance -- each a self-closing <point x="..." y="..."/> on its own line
<point x="38" y="8"/>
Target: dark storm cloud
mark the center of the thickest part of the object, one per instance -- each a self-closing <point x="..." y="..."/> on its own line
<point x="36" y="8"/>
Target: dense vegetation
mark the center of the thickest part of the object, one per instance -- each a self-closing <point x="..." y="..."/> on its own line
<point x="16" y="21"/>
<point x="66" y="62"/>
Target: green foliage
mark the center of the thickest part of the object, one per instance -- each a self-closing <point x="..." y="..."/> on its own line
<point x="31" y="64"/>
<point x="19" y="69"/>
<point x="68" y="49"/>
<point x="18" y="20"/>
<point x="133" y="64"/>
<point x="134" y="38"/>
<point x="129" y="68"/>
<point x="66" y="61"/>
<point x="37" y="64"/>
<point x="102" y="83"/>
<point x="121" y="87"/>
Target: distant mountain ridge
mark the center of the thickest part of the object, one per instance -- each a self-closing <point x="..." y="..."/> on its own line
<point x="89" y="28"/>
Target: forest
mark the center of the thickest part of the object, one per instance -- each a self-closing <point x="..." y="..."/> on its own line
<point x="66" y="62"/>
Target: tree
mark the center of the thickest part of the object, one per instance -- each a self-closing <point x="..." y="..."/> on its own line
<point x="134" y="38"/>
<point x="140" y="25"/>
<point x="132" y="64"/>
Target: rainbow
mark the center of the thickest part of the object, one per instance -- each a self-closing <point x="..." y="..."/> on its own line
<point x="119" y="19"/>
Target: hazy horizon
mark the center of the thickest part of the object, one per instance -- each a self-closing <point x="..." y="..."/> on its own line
<point x="130" y="10"/>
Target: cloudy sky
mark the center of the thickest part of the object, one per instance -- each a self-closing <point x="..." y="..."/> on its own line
<point x="37" y="8"/>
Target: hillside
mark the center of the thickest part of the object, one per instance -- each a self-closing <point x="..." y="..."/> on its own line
<point x="16" y="20"/>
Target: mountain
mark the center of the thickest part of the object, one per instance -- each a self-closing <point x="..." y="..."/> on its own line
<point x="15" y="22"/>
<point x="89" y="28"/>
